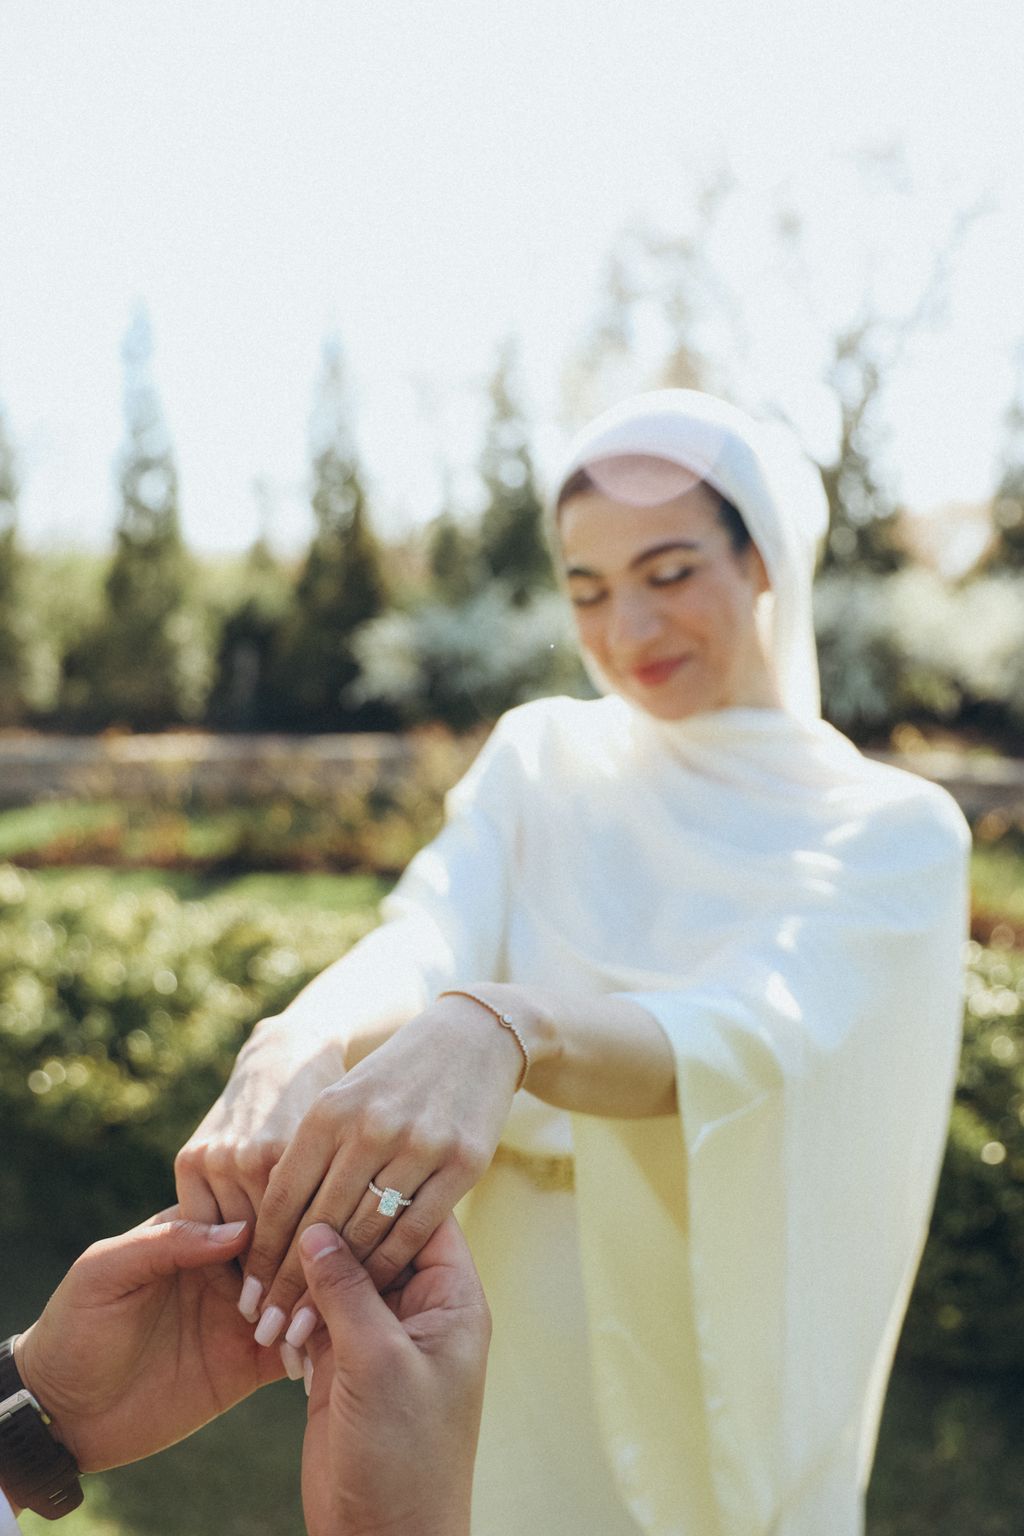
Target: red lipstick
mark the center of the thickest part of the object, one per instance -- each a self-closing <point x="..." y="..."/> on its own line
<point x="656" y="672"/>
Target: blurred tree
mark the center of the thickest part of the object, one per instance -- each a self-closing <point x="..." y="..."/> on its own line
<point x="511" y="530"/>
<point x="678" y="311"/>
<point x="341" y="585"/>
<point x="240" y="699"/>
<point x="1006" y="553"/>
<point x="148" y="664"/>
<point x="12" y="604"/>
<point x="646" y="332"/>
<point x="863" y="530"/>
<point x="454" y="558"/>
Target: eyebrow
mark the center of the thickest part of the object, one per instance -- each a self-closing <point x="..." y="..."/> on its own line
<point x="691" y="545"/>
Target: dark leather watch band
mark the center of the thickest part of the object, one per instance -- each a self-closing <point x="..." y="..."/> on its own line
<point x="36" y="1471"/>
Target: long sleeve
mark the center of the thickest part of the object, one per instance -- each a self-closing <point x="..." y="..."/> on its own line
<point x="445" y="920"/>
<point x="815" y="1065"/>
<point x="8" y="1525"/>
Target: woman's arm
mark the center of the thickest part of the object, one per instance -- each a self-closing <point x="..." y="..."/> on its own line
<point x="592" y="1055"/>
<point x="445" y="918"/>
<point x="423" y="1113"/>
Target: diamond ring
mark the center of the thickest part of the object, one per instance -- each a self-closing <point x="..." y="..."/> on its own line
<point x="389" y="1201"/>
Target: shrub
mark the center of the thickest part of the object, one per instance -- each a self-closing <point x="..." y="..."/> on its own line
<point x="911" y="647"/>
<point x="468" y="664"/>
<point x="968" y="1306"/>
<point x="118" y="1027"/>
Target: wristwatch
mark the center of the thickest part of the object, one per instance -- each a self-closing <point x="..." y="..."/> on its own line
<point x="36" y="1471"/>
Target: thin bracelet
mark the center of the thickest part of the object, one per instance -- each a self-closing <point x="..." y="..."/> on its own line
<point x="503" y="1019"/>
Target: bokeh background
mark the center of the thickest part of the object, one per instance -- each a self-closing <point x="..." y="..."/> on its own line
<point x="298" y="306"/>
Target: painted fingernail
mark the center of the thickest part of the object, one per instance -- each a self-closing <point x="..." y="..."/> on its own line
<point x="302" y="1325"/>
<point x="227" y="1231"/>
<point x="249" y="1301"/>
<point x="269" y="1325"/>
<point x="292" y="1361"/>
<point x="307" y="1375"/>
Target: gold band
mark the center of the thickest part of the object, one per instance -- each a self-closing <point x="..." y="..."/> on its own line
<point x="504" y="1019"/>
<point x="547" y="1171"/>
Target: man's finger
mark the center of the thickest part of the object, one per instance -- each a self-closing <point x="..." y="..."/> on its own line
<point x="343" y="1293"/>
<point x="155" y="1252"/>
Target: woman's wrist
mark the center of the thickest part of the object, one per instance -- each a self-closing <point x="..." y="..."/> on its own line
<point x="534" y="1029"/>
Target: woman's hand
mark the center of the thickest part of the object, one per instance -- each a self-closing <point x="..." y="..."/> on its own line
<point x="422" y="1115"/>
<point x="223" y="1168"/>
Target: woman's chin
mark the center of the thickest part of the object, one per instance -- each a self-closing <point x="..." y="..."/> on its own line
<point x="666" y="702"/>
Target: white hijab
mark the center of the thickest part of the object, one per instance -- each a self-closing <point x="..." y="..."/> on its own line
<point x="755" y="465"/>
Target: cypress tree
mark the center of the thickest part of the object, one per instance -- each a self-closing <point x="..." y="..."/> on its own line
<point x="511" y="529"/>
<point x="144" y="666"/>
<point x="453" y="556"/>
<point x="341" y="585"/>
<point x="239" y="699"/>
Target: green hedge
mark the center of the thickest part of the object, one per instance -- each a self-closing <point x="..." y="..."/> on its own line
<point x="968" y="1307"/>
<point x="118" y="1025"/>
<point x="119" y="1022"/>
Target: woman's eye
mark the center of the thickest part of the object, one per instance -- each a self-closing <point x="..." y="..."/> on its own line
<point x="585" y="599"/>
<point x="669" y="578"/>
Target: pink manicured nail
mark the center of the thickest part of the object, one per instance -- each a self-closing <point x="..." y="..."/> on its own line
<point x="292" y="1362"/>
<point x="269" y="1325"/>
<point x="227" y="1231"/>
<point x="302" y="1325"/>
<point x="307" y="1375"/>
<point x="249" y="1301"/>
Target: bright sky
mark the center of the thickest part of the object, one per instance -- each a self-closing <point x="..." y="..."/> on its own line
<point x="428" y="178"/>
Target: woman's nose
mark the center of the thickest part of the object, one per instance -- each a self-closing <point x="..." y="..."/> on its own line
<point x="634" y="621"/>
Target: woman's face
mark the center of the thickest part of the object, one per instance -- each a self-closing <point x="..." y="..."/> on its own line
<point x="665" y="605"/>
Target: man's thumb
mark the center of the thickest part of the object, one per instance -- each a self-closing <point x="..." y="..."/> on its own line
<point x="342" y="1291"/>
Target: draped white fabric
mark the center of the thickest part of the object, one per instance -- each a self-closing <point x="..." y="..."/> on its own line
<point x="793" y="915"/>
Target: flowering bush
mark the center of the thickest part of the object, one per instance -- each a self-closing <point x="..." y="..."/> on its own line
<point x="468" y="664"/>
<point x="912" y="647"/>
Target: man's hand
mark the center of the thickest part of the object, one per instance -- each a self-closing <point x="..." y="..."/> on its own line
<point x="142" y="1342"/>
<point x="397" y="1391"/>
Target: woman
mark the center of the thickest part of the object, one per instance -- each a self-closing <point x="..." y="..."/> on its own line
<point x="725" y="952"/>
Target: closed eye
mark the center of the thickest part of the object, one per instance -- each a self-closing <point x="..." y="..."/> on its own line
<point x="669" y="578"/>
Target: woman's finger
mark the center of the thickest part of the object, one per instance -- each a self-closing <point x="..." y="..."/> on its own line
<point x="232" y="1200"/>
<point x="291" y="1186"/>
<point x="411" y="1232"/>
<point x="375" y="1215"/>
<point x="332" y="1203"/>
<point x="303" y="1323"/>
<point x="195" y="1196"/>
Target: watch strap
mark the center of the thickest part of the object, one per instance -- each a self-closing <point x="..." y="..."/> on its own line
<point x="36" y="1471"/>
